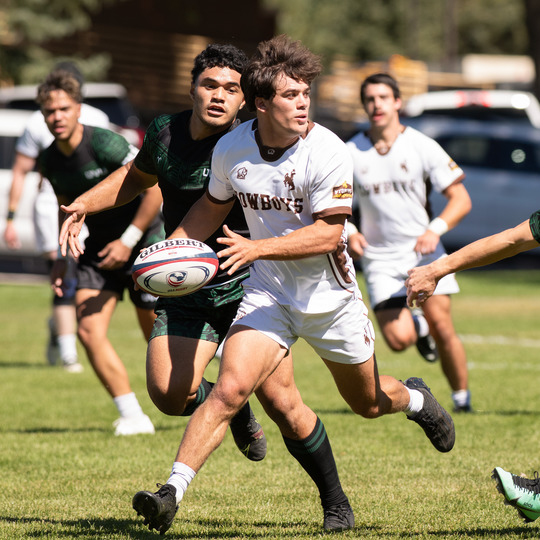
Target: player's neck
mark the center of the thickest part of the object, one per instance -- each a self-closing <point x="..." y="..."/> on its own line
<point x="69" y="145"/>
<point x="384" y="137"/>
<point x="199" y="130"/>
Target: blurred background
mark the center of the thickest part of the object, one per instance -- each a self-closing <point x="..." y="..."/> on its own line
<point x="484" y="54"/>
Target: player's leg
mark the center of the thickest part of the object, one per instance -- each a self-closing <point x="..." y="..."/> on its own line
<point x="94" y="311"/>
<point x="345" y="339"/>
<point x="397" y="326"/>
<point x="184" y="340"/>
<point x="452" y="352"/>
<point x="240" y="374"/>
<point x="174" y="372"/>
<point x="306" y="439"/>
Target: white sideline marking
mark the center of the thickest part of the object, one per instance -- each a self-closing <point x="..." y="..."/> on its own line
<point x="500" y="340"/>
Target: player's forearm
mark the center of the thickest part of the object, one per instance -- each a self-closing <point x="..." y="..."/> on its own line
<point x="117" y="189"/>
<point x="488" y="250"/>
<point x="202" y="220"/>
<point x="458" y="205"/>
<point x="148" y="209"/>
<point x="320" y="238"/>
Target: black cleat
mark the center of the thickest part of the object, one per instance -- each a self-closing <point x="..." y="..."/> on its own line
<point x="433" y="419"/>
<point x="248" y="434"/>
<point x="427" y="348"/>
<point x="158" y="509"/>
<point x="338" y="518"/>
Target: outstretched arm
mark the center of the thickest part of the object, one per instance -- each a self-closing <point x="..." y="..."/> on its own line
<point x="120" y="187"/>
<point x="422" y="280"/>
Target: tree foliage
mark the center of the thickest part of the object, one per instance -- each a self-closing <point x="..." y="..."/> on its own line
<point x="420" y="29"/>
<point x="29" y="23"/>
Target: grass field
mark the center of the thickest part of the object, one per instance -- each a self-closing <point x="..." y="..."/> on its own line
<point x="64" y="475"/>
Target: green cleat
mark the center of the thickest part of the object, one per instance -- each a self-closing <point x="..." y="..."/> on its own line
<point x="521" y="493"/>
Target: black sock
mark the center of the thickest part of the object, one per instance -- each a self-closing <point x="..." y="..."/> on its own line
<point x="202" y="394"/>
<point x="315" y="455"/>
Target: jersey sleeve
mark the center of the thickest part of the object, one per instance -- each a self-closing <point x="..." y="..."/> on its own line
<point x="219" y="187"/>
<point x="112" y="150"/>
<point x="442" y="170"/>
<point x="534" y="224"/>
<point x="331" y="190"/>
<point x="144" y="160"/>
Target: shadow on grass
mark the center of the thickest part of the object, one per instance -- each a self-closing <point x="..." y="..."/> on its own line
<point x="102" y="528"/>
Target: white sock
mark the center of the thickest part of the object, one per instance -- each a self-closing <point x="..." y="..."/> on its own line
<point x="461" y="398"/>
<point x="416" y="401"/>
<point x="181" y="476"/>
<point x="420" y="323"/>
<point x="67" y="348"/>
<point x="128" y="405"/>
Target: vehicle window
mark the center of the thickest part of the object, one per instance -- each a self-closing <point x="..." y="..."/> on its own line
<point x="467" y="150"/>
<point x="7" y="151"/>
<point x="507" y="155"/>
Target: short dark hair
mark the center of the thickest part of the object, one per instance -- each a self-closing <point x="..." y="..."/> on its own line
<point x="380" y="78"/>
<point x="217" y="55"/>
<point x="279" y="55"/>
<point x="59" y="79"/>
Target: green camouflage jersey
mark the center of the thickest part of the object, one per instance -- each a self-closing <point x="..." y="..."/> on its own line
<point x="534" y="223"/>
<point x="100" y="152"/>
<point x="182" y="166"/>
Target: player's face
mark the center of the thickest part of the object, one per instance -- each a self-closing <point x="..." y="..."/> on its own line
<point x="286" y="114"/>
<point x="217" y="98"/>
<point x="380" y="104"/>
<point x="61" y="114"/>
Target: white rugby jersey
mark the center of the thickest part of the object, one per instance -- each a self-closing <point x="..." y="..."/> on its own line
<point x="312" y="178"/>
<point x="393" y="189"/>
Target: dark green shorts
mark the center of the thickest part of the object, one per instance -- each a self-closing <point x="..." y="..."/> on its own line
<point x="206" y="314"/>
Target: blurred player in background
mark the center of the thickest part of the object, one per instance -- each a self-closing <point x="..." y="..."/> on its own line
<point x="80" y="157"/>
<point x="394" y="169"/>
<point x="522" y="493"/>
<point x="36" y="137"/>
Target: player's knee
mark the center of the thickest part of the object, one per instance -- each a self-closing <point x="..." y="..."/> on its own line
<point x="399" y="342"/>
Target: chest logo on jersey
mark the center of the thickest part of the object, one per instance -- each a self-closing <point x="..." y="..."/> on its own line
<point x="95" y="173"/>
<point x="288" y="180"/>
<point x="241" y="173"/>
<point x="343" y="191"/>
<point x="404" y="167"/>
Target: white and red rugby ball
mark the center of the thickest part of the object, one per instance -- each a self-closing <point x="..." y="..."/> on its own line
<point x="175" y="267"/>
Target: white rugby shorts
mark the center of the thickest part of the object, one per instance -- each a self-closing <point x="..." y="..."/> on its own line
<point x="344" y="336"/>
<point x="385" y="277"/>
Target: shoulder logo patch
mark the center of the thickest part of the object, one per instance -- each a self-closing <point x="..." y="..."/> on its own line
<point x="343" y="191"/>
<point x="241" y="173"/>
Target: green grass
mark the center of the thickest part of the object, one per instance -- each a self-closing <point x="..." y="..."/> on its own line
<point x="64" y="474"/>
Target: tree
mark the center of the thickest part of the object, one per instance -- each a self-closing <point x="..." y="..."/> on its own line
<point x="532" y="10"/>
<point x="28" y="23"/>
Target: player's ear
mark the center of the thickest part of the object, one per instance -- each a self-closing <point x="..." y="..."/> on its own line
<point x="192" y="91"/>
<point x="260" y="104"/>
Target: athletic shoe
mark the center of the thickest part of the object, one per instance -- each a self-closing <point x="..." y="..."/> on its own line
<point x="338" y="518"/>
<point x="158" y="509"/>
<point x="249" y="438"/>
<point x="73" y="367"/>
<point x="433" y="419"/>
<point x="521" y="493"/>
<point x="133" y="425"/>
<point x="52" y="352"/>
<point x="427" y="348"/>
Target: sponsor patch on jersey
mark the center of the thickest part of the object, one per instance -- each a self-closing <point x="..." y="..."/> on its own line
<point x="343" y="191"/>
<point x="453" y="165"/>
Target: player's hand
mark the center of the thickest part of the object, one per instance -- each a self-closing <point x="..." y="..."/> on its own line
<point x="71" y="229"/>
<point x="420" y="285"/>
<point x="114" y="255"/>
<point x="241" y="251"/>
<point x="56" y="276"/>
<point x="356" y="243"/>
<point x="427" y="243"/>
<point x="11" y="237"/>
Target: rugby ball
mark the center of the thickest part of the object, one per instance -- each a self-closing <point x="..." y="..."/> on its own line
<point x="175" y="267"/>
